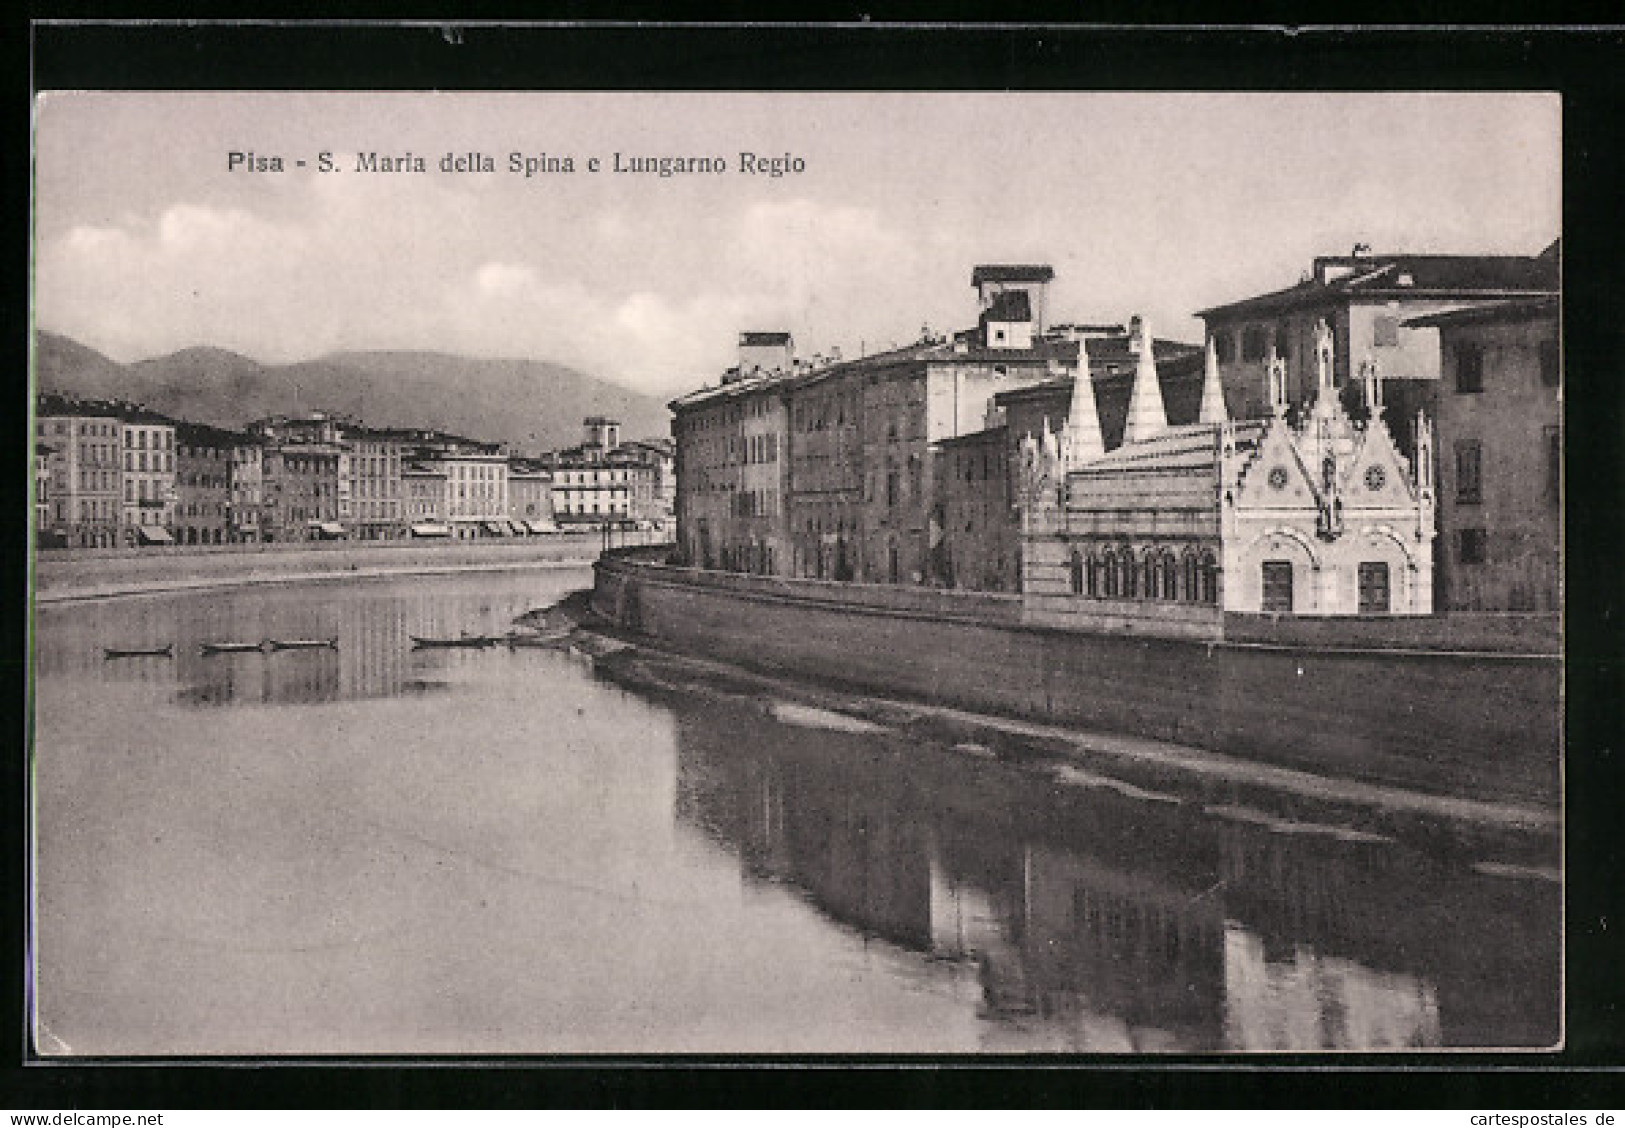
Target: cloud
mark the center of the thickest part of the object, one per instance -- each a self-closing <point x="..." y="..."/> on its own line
<point x="136" y="288"/>
<point x="500" y="278"/>
<point x="644" y="339"/>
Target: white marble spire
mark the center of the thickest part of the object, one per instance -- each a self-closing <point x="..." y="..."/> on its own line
<point x="1146" y="416"/>
<point x="1081" y="441"/>
<point x="1213" y="410"/>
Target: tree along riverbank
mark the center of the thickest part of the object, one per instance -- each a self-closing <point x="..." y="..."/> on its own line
<point x="64" y="576"/>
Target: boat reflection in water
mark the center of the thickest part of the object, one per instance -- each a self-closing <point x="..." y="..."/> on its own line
<point x="1100" y="921"/>
<point x="370" y="627"/>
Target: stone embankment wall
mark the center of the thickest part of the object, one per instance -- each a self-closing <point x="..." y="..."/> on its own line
<point x="67" y="574"/>
<point x="1480" y="726"/>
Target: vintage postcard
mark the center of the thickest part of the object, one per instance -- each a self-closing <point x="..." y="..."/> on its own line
<point x="774" y="573"/>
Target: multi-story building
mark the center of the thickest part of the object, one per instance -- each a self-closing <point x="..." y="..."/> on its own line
<point x="84" y="470"/>
<point x="203" y="496"/>
<point x="654" y="491"/>
<point x="592" y="494"/>
<point x="42" y="487"/>
<point x="300" y="473"/>
<point x="423" y="486"/>
<point x="530" y="495"/>
<point x="838" y="464"/>
<point x="476" y="492"/>
<point x="149" y="477"/>
<point x="1500" y="443"/>
<point x="596" y="482"/>
<point x="377" y="507"/>
<point x="247" y="501"/>
<point x="1373" y="305"/>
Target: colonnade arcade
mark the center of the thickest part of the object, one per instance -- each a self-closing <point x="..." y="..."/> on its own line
<point x="1119" y="571"/>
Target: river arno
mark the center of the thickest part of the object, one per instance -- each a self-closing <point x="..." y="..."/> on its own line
<point x="382" y="850"/>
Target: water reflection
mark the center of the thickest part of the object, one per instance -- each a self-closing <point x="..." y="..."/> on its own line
<point x="1117" y="924"/>
<point x="372" y="622"/>
<point x="454" y="850"/>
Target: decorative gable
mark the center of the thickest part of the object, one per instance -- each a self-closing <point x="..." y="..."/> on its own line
<point x="1377" y="476"/>
<point x="1275" y="477"/>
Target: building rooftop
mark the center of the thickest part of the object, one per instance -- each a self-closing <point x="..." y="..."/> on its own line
<point x="1342" y="278"/>
<point x="1011" y="272"/>
<point x="189" y="434"/>
<point x="1495" y="313"/>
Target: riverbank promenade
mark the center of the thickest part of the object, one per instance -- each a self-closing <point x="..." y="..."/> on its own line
<point x="71" y="574"/>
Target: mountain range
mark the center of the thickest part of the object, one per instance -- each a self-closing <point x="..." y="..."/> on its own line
<point x="531" y="405"/>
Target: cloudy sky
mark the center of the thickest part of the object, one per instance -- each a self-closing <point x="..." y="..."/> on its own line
<point x="146" y="241"/>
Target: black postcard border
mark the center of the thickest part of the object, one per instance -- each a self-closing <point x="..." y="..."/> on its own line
<point x="419" y="52"/>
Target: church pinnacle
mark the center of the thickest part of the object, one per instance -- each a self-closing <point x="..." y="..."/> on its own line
<point x="1213" y="409"/>
<point x="1146" y="416"/>
<point x="1081" y="441"/>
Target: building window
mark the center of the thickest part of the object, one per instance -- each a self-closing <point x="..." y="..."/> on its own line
<point x="1374" y="588"/>
<point x="1551" y="364"/>
<point x="1471" y="546"/>
<point x="1277" y="577"/>
<point x="1283" y="339"/>
<point x="1469" y="368"/>
<point x="1131" y="574"/>
<point x="1077" y="572"/>
<point x="1469" y="472"/>
<point x="1224" y="347"/>
<point x="1210" y="579"/>
<point x="1385" y="332"/>
<point x="1254" y="343"/>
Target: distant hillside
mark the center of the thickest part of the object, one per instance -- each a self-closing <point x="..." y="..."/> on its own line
<point x="531" y="405"/>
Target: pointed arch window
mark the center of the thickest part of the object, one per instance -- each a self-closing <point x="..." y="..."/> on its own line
<point x="1170" y="576"/>
<point x="1210" y="578"/>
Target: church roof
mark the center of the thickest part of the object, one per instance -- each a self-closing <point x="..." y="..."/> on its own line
<point x="1178" y="468"/>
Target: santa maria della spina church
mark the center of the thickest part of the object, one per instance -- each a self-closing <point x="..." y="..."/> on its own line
<point x="1107" y="479"/>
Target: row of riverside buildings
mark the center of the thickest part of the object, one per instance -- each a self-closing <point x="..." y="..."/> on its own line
<point x="114" y="474"/>
<point x="1380" y="439"/>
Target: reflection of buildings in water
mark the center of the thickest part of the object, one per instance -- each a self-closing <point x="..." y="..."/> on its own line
<point x="1457" y="958"/>
<point x="1124" y="925"/>
<point x="1308" y="1001"/>
<point x="837" y="835"/>
<point x="1113" y="957"/>
<point x="1133" y="945"/>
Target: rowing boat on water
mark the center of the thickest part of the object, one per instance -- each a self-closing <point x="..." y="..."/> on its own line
<point x="165" y="651"/>
<point x="303" y="643"/>
<point x="550" y="640"/>
<point x="231" y="647"/>
<point x="469" y="641"/>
